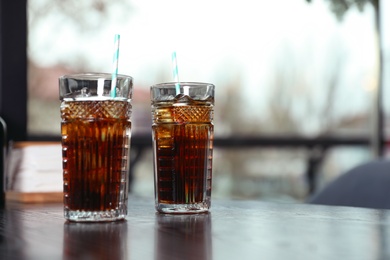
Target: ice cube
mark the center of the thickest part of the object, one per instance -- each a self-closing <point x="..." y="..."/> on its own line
<point x="182" y="98"/>
<point x="166" y="98"/>
<point x="84" y="92"/>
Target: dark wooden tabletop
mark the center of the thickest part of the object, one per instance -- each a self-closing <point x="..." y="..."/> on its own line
<point x="232" y="230"/>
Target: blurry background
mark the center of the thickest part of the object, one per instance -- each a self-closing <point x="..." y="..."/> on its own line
<point x="282" y="68"/>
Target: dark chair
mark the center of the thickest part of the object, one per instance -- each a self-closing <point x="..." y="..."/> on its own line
<point x="3" y="151"/>
<point x="367" y="186"/>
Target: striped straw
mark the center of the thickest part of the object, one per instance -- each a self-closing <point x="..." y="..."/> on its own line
<point x="115" y="65"/>
<point x="175" y="72"/>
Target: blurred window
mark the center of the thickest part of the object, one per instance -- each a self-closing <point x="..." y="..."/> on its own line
<point x="282" y="67"/>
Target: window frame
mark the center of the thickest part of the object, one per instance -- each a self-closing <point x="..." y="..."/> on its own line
<point x="13" y="67"/>
<point x="14" y="98"/>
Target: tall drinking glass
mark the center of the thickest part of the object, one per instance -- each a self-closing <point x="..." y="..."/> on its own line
<point x="96" y="131"/>
<point x="183" y="134"/>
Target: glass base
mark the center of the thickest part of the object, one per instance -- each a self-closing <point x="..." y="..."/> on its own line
<point x="95" y="216"/>
<point x="194" y="208"/>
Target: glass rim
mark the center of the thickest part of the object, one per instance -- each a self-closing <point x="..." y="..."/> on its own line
<point x="179" y="91"/>
<point x="184" y="83"/>
<point x="95" y="85"/>
<point x="93" y="75"/>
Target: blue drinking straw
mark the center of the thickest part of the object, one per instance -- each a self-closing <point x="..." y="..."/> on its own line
<point x="115" y="65"/>
<point x="175" y="72"/>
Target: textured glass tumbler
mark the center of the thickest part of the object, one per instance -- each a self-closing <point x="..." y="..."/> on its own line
<point x="183" y="133"/>
<point x="96" y="130"/>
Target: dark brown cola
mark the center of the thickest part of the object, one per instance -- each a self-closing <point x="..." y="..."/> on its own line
<point x="95" y="141"/>
<point x="183" y="136"/>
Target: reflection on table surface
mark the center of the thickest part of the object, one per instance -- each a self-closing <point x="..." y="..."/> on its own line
<point x="232" y="230"/>
<point x="89" y="240"/>
<point x="178" y="236"/>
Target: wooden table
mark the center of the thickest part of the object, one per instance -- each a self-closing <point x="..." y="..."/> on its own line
<point x="233" y="230"/>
